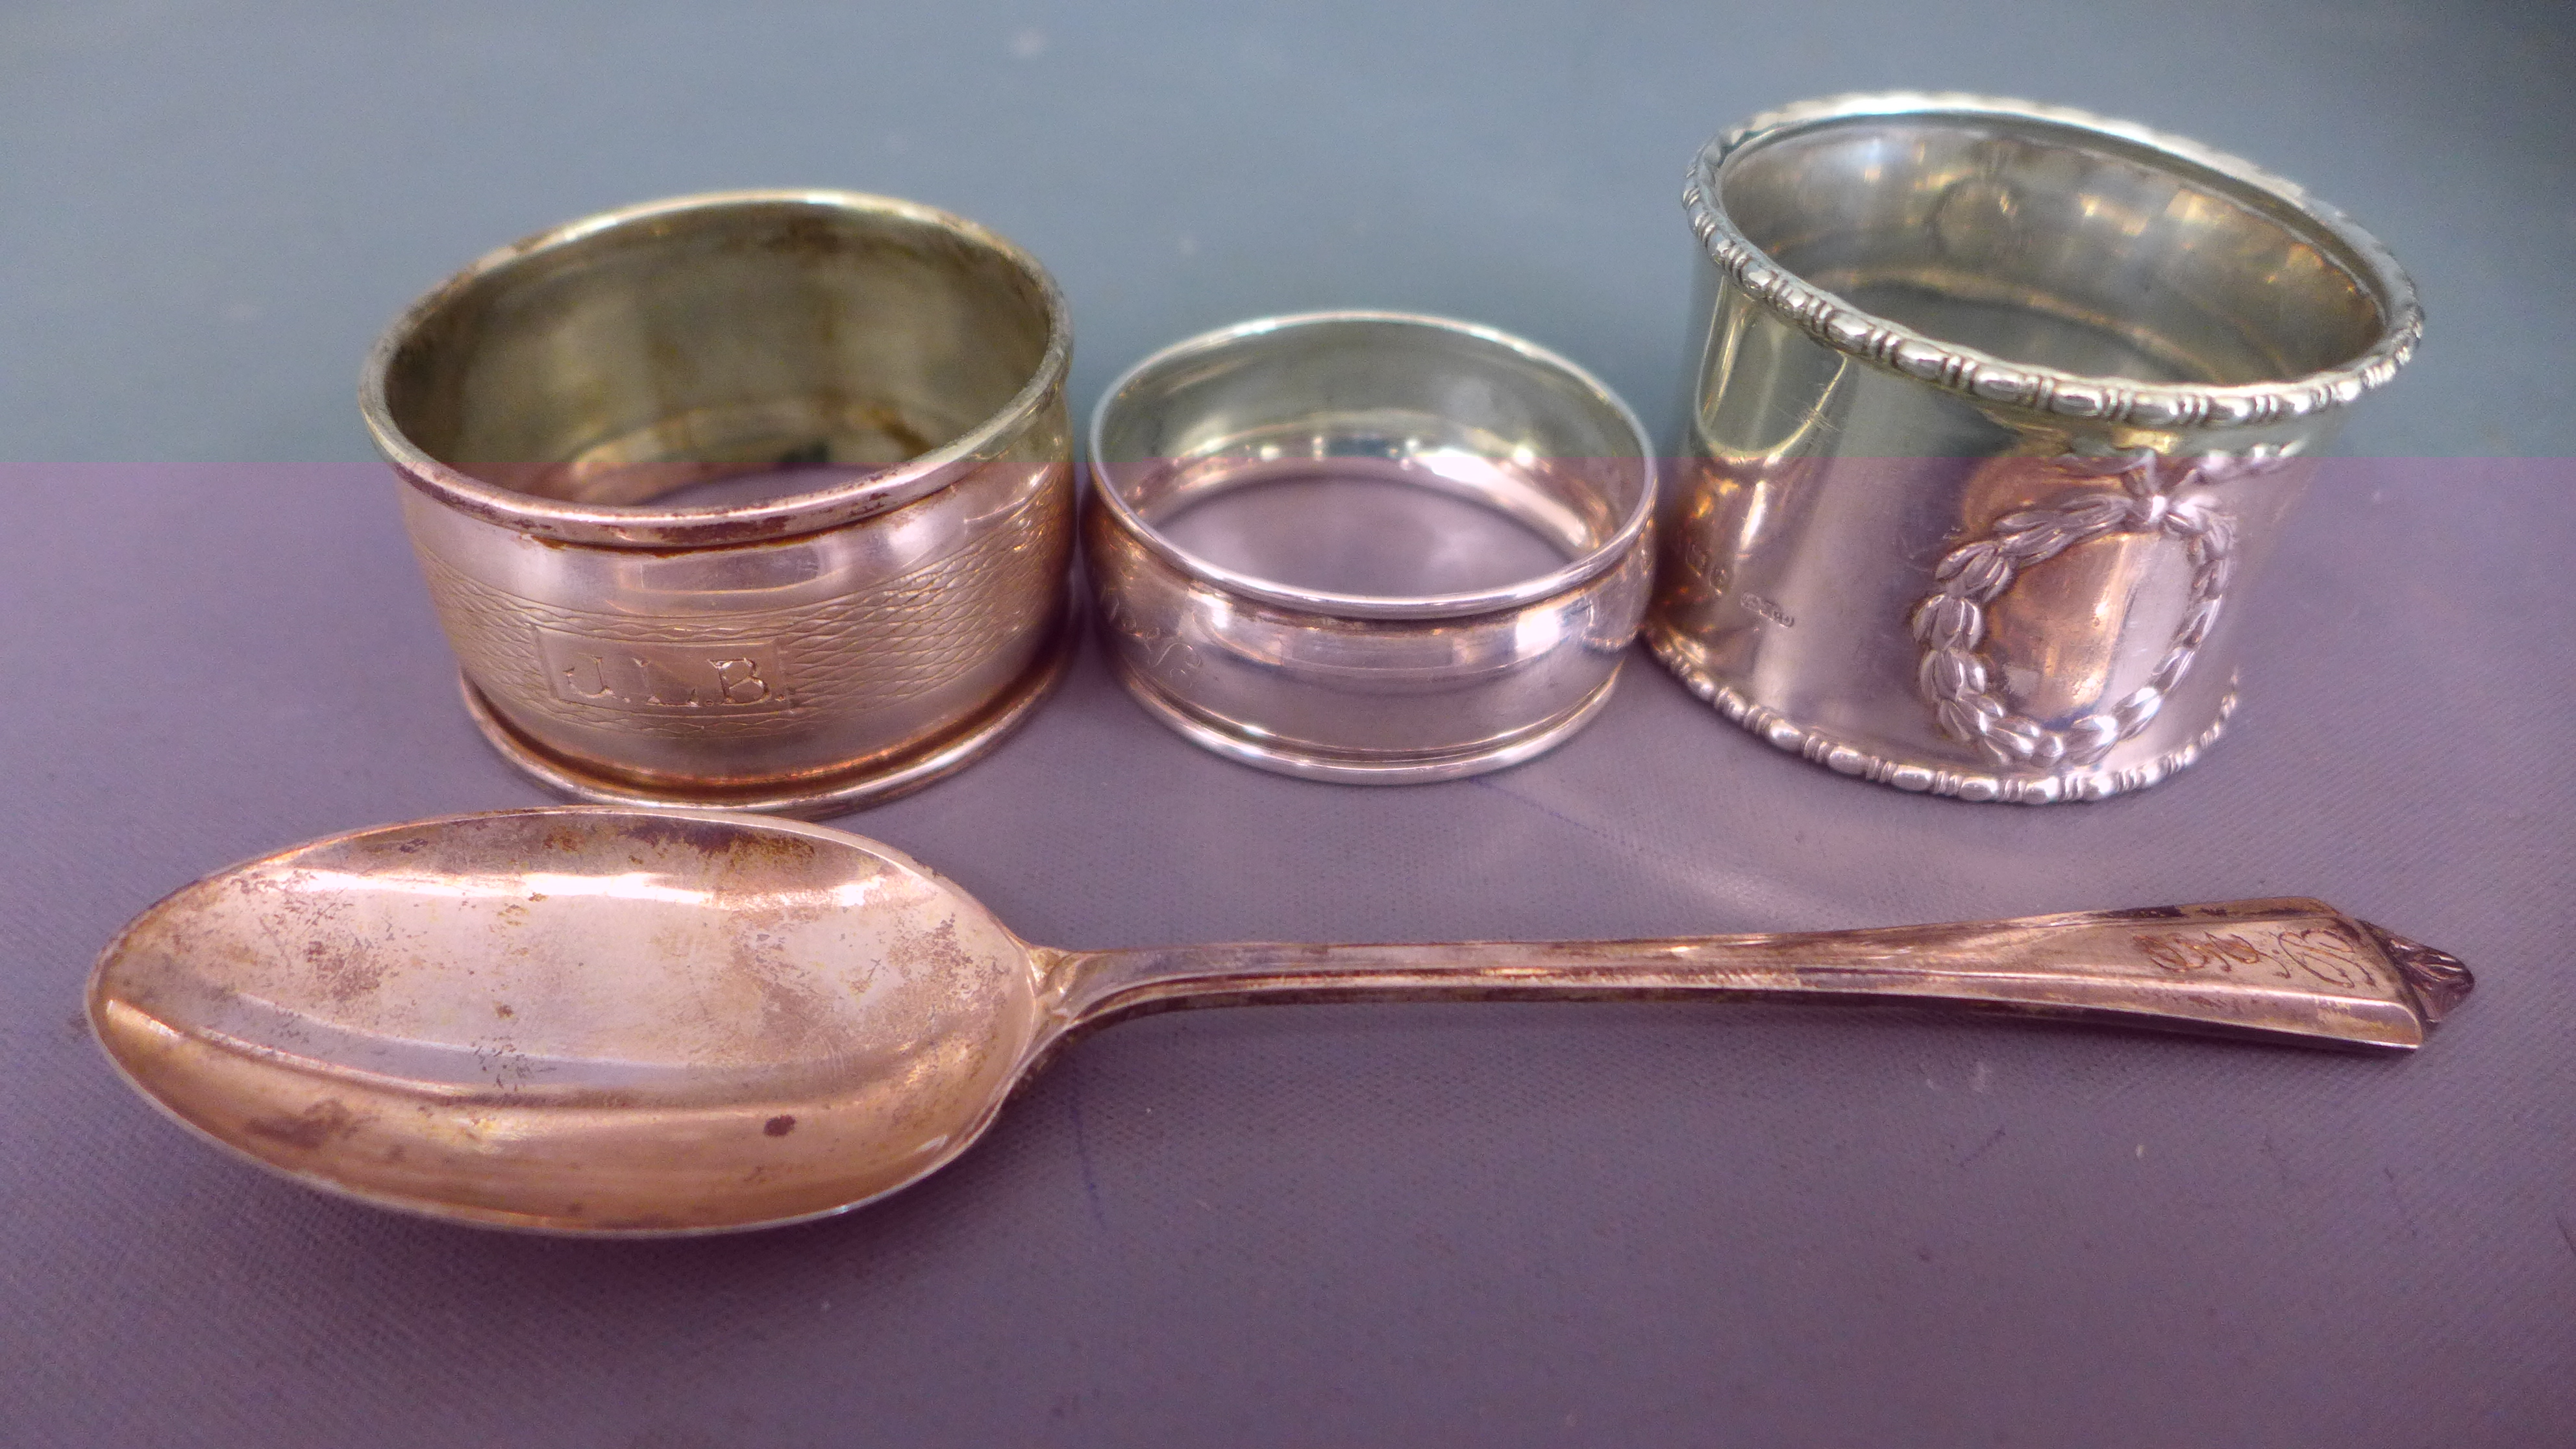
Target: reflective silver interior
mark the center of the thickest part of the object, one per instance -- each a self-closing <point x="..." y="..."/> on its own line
<point x="1369" y="547"/>
<point x="1379" y="398"/>
<point x="614" y="364"/>
<point x="2052" y="246"/>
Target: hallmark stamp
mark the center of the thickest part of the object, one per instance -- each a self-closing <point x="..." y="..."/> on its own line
<point x="1756" y="604"/>
<point x="735" y="676"/>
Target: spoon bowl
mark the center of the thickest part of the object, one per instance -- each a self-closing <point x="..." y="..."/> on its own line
<point x="641" y="1021"/>
<point x="587" y="1020"/>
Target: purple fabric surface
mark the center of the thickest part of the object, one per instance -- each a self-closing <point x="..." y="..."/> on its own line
<point x="1473" y="1224"/>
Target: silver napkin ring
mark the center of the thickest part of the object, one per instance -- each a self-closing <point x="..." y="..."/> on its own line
<point x="879" y="626"/>
<point x="1997" y="409"/>
<point x="1308" y="676"/>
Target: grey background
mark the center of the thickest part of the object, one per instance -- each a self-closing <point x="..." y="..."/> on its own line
<point x="1498" y="1225"/>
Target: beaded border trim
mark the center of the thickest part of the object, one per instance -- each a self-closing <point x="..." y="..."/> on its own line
<point x="1992" y="380"/>
<point x="1922" y="777"/>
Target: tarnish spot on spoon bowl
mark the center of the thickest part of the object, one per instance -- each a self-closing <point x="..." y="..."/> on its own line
<point x="317" y="1126"/>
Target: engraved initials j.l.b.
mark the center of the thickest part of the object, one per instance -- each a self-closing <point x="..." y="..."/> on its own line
<point x="739" y="681"/>
<point x="659" y="675"/>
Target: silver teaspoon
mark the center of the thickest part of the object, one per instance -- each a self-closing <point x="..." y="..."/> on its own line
<point x="631" y="1021"/>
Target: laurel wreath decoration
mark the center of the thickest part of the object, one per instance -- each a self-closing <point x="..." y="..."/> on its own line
<point x="1951" y="623"/>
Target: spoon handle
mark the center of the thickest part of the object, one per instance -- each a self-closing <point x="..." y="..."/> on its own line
<point x="2285" y="970"/>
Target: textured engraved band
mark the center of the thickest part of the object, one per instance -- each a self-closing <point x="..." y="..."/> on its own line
<point x="1993" y="380"/>
<point x="833" y="793"/>
<point x="893" y="640"/>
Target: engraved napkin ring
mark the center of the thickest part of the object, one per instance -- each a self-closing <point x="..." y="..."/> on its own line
<point x="875" y="628"/>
